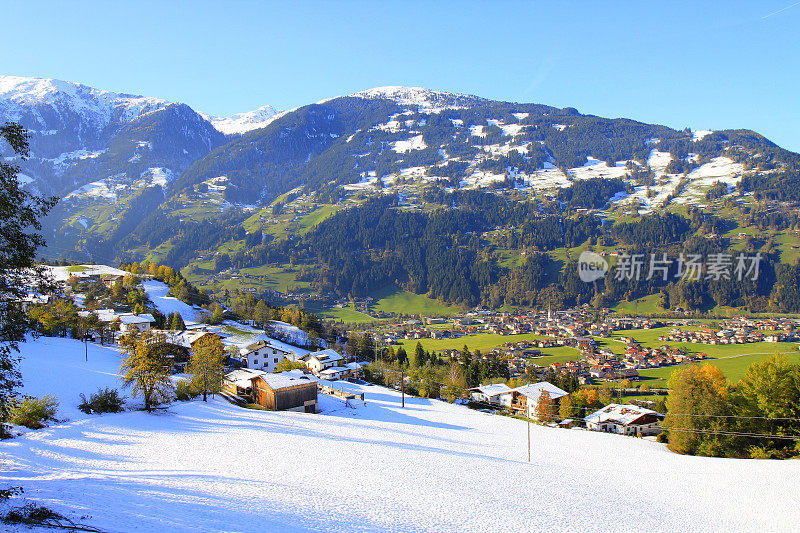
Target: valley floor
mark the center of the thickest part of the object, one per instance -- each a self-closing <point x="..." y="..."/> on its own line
<point x="430" y="466"/>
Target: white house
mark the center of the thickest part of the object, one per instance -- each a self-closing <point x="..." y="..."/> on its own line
<point x="322" y="360"/>
<point x="491" y="393"/>
<point x="625" y="420"/>
<point x="333" y="373"/>
<point x="524" y="400"/>
<point x="128" y="322"/>
<point x="262" y="355"/>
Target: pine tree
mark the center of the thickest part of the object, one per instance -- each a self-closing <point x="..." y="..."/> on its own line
<point x="206" y="365"/>
<point x="402" y="357"/>
<point x="20" y="213"/>
<point x="177" y="322"/>
<point x="261" y="312"/>
<point x="145" y="367"/>
<point x="217" y="314"/>
<point x="419" y="359"/>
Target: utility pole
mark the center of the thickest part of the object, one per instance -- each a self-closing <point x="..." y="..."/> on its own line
<point x="529" y="439"/>
<point x="402" y="388"/>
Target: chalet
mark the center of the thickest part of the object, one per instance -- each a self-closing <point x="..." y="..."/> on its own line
<point x="322" y="360"/>
<point x="128" y="322"/>
<point x="333" y="373"/>
<point x="262" y="355"/>
<point x="281" y="392"/>
<point x="238" y="382"/>
<point x="524" y="400"/>
<point x="625" y="420"/>
<point x="490" y="393"/>
<point x="110" y="279"/>
<point x="191" y="337"/>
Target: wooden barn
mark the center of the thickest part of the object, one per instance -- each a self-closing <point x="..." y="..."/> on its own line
<point x="283" y="392"/>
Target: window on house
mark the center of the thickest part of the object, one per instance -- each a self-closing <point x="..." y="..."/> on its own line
<point x="276" y="359"/>
<point x="255" y="361"/>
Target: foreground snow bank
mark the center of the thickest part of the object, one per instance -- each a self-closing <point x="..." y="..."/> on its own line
<point x="430" y="466"/>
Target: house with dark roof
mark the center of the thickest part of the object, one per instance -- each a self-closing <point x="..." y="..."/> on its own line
<point x="262" y="355"/>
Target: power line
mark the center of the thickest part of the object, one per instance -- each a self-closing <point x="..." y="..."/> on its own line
<point x="554" y="418"/>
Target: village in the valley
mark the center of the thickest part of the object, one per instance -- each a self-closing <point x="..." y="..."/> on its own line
<point x="278" y="366"/>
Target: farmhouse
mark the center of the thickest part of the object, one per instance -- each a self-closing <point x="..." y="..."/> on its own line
<point x="322" y="360"/>
<point x="262" y="355"/>
<point x="525" y="400"/>
<point x="625" y="420"/>
<point x="490" y="393"/>
<point x="129" y="322"/>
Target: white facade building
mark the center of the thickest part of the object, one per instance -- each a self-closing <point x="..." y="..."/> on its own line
<point x="262" y="355"/>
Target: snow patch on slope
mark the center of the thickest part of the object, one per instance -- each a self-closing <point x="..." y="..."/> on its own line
<point x="414" y="143"/>
<point x="699" y="134"/>
<point x="157" y="292"/>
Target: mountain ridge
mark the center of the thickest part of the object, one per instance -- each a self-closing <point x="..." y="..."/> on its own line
<point x="167" y="185"/>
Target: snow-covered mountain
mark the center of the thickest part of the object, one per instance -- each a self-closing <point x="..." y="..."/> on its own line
<point x="122" y="162"/>
<point x="67" y="120"/>
<point x="71" y="124"/>
<point x="244" y="122"/>
<point x="420" y="96"/>
<point x="20" y="96"/>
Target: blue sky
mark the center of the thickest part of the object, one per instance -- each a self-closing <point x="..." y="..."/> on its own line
<point x="706" y="65"/>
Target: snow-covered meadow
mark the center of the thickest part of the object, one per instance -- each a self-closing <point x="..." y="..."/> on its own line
<point x="430" y="466"/>
<point x="157" y="292"/>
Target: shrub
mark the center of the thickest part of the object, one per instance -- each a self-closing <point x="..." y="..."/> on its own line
<point x="103" y="401"/>
<point x="31" y="514"/>
<point x="34" y="412"/>
<point x="662" y="437"/>
<point x="184" y="390"/>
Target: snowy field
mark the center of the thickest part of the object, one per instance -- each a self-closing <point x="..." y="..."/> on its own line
<point x="62" y="273"/>
<point x="431" y="466"/>
<point x="157" y="292"/>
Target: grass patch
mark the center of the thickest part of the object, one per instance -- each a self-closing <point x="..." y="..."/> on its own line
<point x="643" y="306"/>
<point x="485" y="342"/>
<point x="311" y="220"/>
<point x="255" y="407"/>
<point x="393" y="299"/>
<point x="346" y="314"/>
<point x="734" y="368"/>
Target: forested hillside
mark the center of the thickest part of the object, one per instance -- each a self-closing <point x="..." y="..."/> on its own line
<point x="461" y="199"/>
